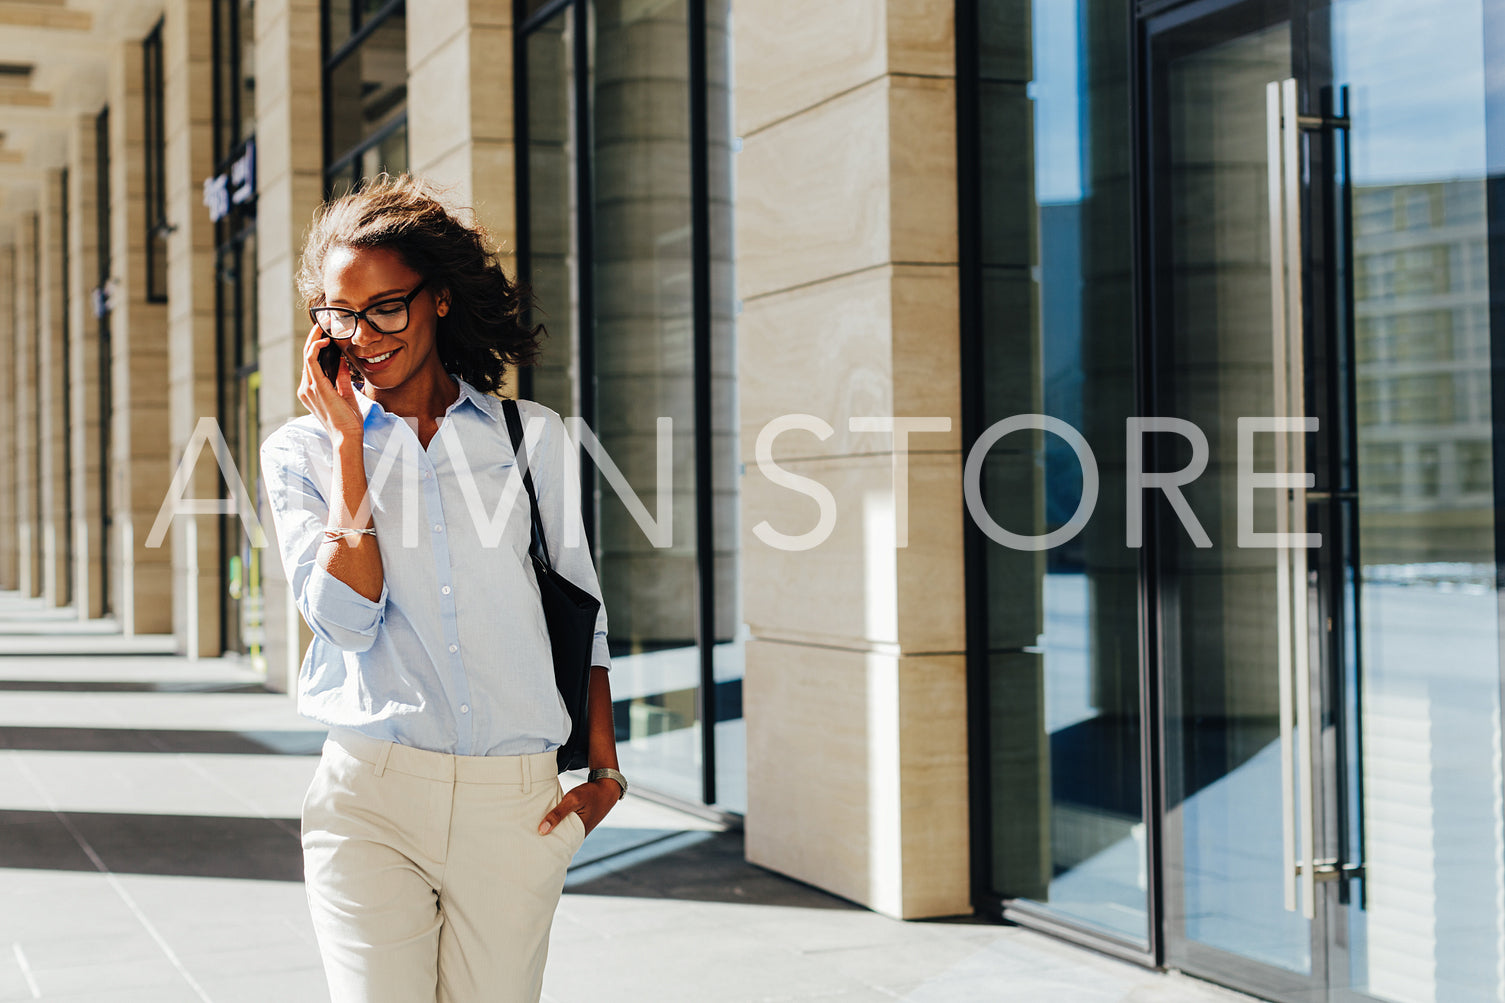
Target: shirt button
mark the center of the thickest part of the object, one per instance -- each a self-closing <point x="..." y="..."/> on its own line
<point x="465" y="708"/>
<point x="445" y="590"/>
<point x="454" y="647"/>
<point x="438" y="528"/>
<point x="427" y="475"/>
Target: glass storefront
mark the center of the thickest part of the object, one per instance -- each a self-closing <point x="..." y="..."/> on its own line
<point x="1056" y="337"/>
<point x="365" y="91"/>
<point x="1266" y="225"/>
<point x="242" y="624"/>
<point x="625" y="204"/>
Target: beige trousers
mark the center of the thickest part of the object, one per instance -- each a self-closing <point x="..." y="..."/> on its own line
<point x="426" y="876"/>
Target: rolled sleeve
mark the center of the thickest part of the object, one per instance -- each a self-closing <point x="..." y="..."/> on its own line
<point x="333" y="610"/>
<point x="338" y="613"/>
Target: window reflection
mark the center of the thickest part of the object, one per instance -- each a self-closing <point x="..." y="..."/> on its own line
<point x="368" y="88"/>
<point x="365" y="94"/>
<point x="623" y="350"/>
<point x="1058" y="339"/>
<point x="644" y="330"/>
<point x="1431" y="808"/>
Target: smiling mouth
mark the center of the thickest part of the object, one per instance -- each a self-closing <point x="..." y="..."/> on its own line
<point x="377" y="360"/>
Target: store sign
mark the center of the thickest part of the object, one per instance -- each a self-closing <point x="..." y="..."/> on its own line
<point x="234" y="187"/>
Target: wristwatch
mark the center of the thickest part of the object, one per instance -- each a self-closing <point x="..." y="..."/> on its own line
<point x="606" y="771"/>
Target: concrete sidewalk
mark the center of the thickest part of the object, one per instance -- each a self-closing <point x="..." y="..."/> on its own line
<point x="149" y="852"/>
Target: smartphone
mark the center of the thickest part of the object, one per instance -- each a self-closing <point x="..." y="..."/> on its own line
<point x="329" y="361"/>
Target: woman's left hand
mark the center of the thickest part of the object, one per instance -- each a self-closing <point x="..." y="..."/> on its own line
<point x="591" y="801"/>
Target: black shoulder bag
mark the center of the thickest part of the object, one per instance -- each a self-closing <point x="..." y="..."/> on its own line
<point x="568" y="610"/>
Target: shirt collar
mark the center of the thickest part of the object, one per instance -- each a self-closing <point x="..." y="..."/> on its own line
<point x="488" y="405"/>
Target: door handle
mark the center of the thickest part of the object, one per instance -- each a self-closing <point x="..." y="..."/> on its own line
<point x="1293" y="660"/>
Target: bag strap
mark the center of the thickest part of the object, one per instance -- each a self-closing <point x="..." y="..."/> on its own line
<point x="539" y="547"/>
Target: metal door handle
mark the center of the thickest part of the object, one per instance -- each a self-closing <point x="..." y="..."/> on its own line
<point x="1293" y="660"/>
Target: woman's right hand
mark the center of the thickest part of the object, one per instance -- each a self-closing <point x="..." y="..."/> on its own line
<point x="332" y="403"/>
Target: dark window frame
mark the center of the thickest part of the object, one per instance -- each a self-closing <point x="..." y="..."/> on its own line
<point x="153" y="102"/>
<point x="236" y="353"/>
<point x="338" y="163"/>
<point x="65" y="253"/>
<point x="102" y="313"/>
<point x="229" y="116"/>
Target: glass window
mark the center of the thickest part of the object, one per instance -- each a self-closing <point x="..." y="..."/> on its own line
<point x="1055" y="336"/>
<point x="155" y="139"/>
<point x="631" y="345"/>
<point x="1430" y="819"/>
<point x="365" y="93"/>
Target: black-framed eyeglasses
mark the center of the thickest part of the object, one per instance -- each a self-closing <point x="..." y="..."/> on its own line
<point x="386" y="317"/>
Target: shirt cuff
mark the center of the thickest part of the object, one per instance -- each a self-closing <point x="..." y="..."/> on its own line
<point x="601" y="652"/>
<point x="336" y="605"/>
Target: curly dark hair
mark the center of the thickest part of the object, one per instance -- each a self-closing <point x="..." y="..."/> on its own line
<point x="487" y="326"/>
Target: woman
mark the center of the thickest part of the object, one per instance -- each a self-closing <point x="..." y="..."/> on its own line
<point x="435" y="833"/>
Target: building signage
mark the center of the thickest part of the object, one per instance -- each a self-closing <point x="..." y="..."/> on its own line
<point x="233" y="187"/>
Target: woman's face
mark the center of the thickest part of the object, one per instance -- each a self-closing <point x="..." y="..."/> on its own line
<point x="356" y="278"/>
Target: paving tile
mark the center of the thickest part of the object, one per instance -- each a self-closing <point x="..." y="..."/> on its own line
<point x="13" y="982"/>
<point x="149" y="994"/>
<point x="136" y="973"/>
<point x="303" y="985"/>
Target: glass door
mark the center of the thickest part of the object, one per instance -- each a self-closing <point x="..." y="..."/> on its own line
<point x="1328" y="613"/>
<point x="1238" y="769"/>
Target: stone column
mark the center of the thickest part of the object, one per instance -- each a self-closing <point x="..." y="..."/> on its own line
<point x="855" y="693"/>
<point x="84" y="390"/>
<point x="140" y="576"/>
<point x="54" y="517"/>
<point x="28" y="534"/>
<point x="193" y="377"/>
<point x="290" y="186"/>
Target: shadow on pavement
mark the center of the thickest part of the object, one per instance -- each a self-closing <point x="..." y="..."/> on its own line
<point x="124" y="686"/>
<point x="265" y="849"/>
<point x="694" y="865"/>
<point x="251" y="743"/>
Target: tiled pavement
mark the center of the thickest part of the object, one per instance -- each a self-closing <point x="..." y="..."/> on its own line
<point x="149" y="852"/>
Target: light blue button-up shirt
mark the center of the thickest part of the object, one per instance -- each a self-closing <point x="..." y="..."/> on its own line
<point x="454" y="656"/>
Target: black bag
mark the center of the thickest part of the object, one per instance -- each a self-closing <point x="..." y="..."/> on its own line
<point x="570" y="613"/>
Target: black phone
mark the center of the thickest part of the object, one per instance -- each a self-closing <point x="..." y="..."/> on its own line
<point x="329" y="361"/>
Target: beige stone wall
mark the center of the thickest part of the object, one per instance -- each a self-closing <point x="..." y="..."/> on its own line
<point x="192" y="376"/>
<point x="52" y="437"/>
<point x="290" y="186"/>
<point x="9" y="569"/>
<point x="28" y="532"/>
<point x="855" y="693"/>
<point x="140" y="577"/>
<point x="83" y="377"/>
